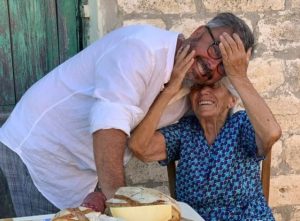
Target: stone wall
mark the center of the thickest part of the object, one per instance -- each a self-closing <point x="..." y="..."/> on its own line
<point x="274" y="70"/>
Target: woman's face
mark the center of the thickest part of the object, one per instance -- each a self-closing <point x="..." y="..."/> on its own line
<point x="211" y="100"/>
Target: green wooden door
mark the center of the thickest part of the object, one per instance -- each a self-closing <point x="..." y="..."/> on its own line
<point x="35" y="36"/>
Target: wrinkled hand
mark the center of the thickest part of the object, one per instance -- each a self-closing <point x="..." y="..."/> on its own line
<point x="183" y="62"/>
<point x="235" y="58"/>
<point x="95" y="201"/>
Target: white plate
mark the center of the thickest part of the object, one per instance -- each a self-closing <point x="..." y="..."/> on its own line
<point x="189" y="213"/>
<point x="47" y="217"/>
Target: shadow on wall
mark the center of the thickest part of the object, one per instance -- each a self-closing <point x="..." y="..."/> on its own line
<point x="6" y="207"/>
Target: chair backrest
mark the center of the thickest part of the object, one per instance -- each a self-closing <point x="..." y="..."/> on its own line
<point x="172" y="178"/>
<point x="265" y="176"/>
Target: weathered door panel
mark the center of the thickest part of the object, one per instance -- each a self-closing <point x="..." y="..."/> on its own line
<point x="35" y="37"/>
<point x="67" y="12"/>
<point x="50" y="19"/>
<point x="30" y="41"/>
<point x="7" y="95"/>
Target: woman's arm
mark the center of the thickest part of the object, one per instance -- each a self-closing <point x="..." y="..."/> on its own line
<point x="235" y="60"/>
<point x="267" y="130"/>
<point x="145" y="142"/>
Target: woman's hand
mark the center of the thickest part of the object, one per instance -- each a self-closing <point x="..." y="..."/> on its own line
<point x="235" y="58"/>
<point x="183" y="62"/>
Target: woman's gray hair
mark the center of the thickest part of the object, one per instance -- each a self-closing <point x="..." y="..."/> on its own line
<point x="237" y="25"/>
<point x="238" y="105"/>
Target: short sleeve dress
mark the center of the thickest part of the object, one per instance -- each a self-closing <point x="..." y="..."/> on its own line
<point x="220" y="181"/>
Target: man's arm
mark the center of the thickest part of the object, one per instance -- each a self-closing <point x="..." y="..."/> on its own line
<point x="116" y="106"/>
<point x="109" y="146"/>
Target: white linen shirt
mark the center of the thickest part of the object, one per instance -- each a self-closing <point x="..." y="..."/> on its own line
<point x="110" y="84"/>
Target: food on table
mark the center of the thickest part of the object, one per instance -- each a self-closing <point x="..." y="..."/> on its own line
<point x="143" y="204"/>
<point x="128" y="204"/>
<point x="82" y="214"/>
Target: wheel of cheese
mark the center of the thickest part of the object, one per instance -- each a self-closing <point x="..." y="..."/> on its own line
<point x="146" y="204"/>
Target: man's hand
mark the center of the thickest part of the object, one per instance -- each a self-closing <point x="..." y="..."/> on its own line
<point x="235" y="59"/>
<point x="95" y="201"/>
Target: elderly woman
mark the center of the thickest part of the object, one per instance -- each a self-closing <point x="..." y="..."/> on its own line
<point x="218" y="151"/>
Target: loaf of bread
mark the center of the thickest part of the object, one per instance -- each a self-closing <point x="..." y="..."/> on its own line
<point x="79" y="214"/>
<point x="143" y="204"/>
<point x="82" y="214"/>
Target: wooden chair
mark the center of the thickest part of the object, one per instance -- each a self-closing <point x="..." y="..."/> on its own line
<point x="265" y="177"/>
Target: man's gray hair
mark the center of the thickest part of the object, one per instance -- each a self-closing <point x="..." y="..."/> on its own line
<point x="237" y="25"/>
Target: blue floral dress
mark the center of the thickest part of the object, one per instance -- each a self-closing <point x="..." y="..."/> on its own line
<point x="220" y="181"/>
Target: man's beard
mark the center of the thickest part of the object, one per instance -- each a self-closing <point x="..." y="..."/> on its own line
<point x="190" y="78"/>
<point x="188" y="81"/>
<point x="207" y="71"/>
